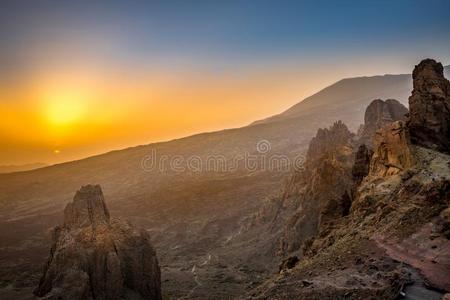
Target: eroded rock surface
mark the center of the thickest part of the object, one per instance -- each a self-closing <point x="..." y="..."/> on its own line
<point x="95" y="257"/>
<point x="392" y="153"/>
<point x="378" y="114"/>
<point x="325" y="187"/>
<point x="429" y="105"/>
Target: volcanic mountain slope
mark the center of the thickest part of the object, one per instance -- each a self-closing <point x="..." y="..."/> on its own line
<point x="349" y="97"/>
<point x="393" y="238"/>
<point x="195" y="217"/>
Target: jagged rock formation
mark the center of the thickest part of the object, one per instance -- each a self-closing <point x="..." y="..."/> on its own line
<point x="325" y="186"/>
<point x="378" y="114"/>
<point x="96" y="257"/>
<point x="326" y="142"/>
<point x="392" y="153"/>
<point x="429" y="105"/>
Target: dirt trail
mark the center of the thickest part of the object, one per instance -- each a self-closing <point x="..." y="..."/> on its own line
<point x="425" y="252"/>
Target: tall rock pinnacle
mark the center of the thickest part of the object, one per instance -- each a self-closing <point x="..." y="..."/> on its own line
<point x="87" y="209"/>
<point x="96" y="257"/>
<point x="429" y="106"/>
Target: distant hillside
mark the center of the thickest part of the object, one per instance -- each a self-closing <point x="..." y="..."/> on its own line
<point x="20" y="168"/>
<point x="348" y="98"/>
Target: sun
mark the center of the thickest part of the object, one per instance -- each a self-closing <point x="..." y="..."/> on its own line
<point x="65" y="108"/>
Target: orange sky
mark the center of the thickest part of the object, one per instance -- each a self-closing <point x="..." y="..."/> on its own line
<point x="68" y="111"/>
<point x="65" y="114"/>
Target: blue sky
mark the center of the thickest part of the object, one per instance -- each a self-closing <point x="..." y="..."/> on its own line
<point x="228" y="32"/>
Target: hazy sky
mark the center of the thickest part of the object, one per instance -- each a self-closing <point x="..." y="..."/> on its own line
<point x="82" y="77"/>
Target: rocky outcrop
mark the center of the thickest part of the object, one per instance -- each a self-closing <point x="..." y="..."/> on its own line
<point x="326" y="183"/>
<point x="378" y="114"/>
<point x="96" y="257"/>
<point x="392" y="153"/>
<point x="87" y="209"/>
<point x="429" y="105"/>
<point x="326" y="141"/>
<point x="388" y="239"/>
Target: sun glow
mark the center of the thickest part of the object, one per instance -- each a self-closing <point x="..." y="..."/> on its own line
<point x="65" y="108"/>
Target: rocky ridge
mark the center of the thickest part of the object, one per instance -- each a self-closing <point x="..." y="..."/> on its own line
<point x="394" y="237"/>
<point x="95" y="257"/>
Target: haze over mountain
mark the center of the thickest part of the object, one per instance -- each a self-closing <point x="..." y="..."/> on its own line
<point x="192" y="216"/>
<point x="19" y="168"/>
<point x="349" y="97"/>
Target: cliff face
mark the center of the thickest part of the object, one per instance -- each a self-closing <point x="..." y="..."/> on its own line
<point x="95" y="257"/>
<point x="395" y="232"/>
<point x="429" y="105"/>
<point x="392" y="152"/>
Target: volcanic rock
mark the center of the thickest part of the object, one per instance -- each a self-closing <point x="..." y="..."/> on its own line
<point x="378" y="114"/>
<point x="95" y="257"/>
<point x="392" y="153"/>
<point x="429" y="104"/>
<point x="326" y="141"/>
<point x="326" y="183"/>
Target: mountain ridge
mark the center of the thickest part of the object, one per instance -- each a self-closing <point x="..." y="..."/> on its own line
<point x="291" y="111"/>
<point x="21" y="168"/>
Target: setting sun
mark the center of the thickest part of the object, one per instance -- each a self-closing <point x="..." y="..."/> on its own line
<point x="65" y="108"/>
